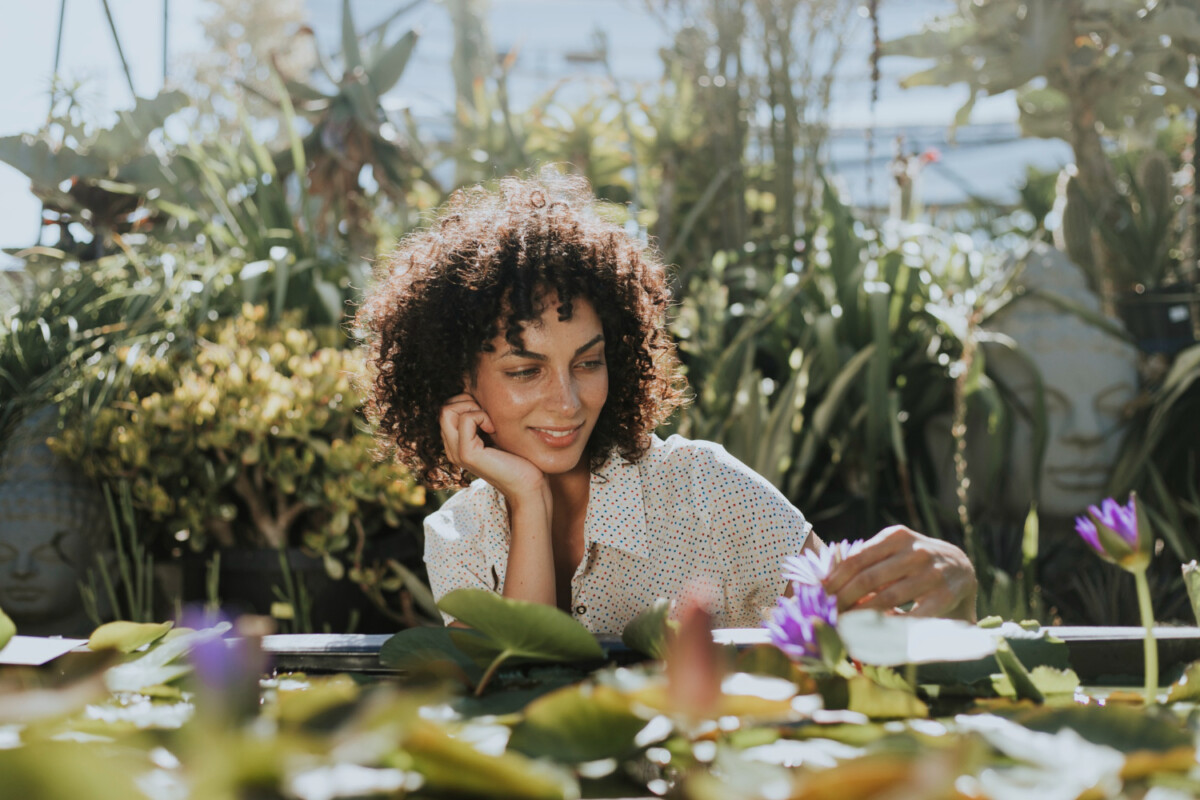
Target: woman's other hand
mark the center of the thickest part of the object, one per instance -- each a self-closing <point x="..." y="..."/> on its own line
<point x="898" y="566"/>
<point x="463" y="424"/>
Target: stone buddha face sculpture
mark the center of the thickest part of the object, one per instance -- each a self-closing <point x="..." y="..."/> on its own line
<point x="53" y="526"/>
<point x="1089" y="377"/>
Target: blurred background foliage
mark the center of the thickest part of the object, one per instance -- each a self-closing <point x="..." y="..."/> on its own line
<point x="820" y="342"/>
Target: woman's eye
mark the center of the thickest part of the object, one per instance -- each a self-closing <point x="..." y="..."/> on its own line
<point x="528" y="372"/>
<point x="592" y="364"/>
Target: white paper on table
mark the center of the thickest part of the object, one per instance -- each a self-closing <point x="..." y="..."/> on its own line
<point x="34" y="651"/>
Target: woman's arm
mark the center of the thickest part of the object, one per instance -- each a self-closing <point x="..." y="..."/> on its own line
<point x="530" y="572"/>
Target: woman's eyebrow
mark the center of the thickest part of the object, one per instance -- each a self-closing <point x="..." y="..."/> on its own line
<point x="521" y="353"/>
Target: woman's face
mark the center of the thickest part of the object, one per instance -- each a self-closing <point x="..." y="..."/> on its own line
<point x="544" y="398"/>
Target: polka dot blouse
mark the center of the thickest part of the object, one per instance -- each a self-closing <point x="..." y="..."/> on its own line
<point x="685" y="518"/>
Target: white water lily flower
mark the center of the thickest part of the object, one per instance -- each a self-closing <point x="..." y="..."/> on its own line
<point x="812" y="568"/>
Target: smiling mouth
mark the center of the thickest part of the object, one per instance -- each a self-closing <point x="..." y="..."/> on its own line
<point x="558" y="437"/>
<point x="557" y="433"/>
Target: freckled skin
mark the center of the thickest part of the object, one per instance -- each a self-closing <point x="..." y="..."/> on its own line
<point x="565" y="389"/>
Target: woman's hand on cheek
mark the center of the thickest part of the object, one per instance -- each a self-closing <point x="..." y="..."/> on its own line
<point x="463" y="424"/>
<point x="899" y="566"/>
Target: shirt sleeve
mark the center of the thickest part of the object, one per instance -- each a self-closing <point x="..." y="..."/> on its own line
<point x="454" y="558"/>
<point x="753" y="527"/>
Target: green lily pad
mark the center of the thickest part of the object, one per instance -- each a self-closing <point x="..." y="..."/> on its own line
<point x="1119" y="727"/>
<point x="579" y="723"/>
<point x="431" y="650"/>
<point x="298" y="706"/>
<point x="766" y="659"/>
<point x="155" y="667"/>
<point x="1019" y="678"/>
<point x="1050" y="682"/>
<point x="126" y="637"/>
<point x="883" y="702"/>
<point x="648" y="632"/>
<point x="69" y="769"/>
<point x="452" y="766"/>
<point x="520" y="628"/>
<point x="8" y="629"/>
<point x="1188" y="685"/>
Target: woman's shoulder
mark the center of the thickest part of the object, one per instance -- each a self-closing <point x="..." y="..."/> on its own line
<point x="678" y="453"/>
<point x="467" y="513"/>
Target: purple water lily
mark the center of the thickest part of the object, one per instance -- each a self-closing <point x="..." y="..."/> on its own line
<point x="1121" y="520"/>
<point x="1115" y="533"/>
<point x="813" y="568"/>
<point x="791" y="626"/>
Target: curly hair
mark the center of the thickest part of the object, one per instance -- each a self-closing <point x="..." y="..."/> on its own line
<point x="481" y="270"/>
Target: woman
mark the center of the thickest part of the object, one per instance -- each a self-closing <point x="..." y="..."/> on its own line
<point x="520" y="339"/>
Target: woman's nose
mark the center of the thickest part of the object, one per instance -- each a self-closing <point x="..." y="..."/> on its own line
<point x="565" y="395"/>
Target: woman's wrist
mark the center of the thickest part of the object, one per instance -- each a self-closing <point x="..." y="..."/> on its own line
<point x="530" y="496"/>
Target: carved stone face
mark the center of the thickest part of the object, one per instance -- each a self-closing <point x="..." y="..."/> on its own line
<point x="42" y="559"/>
<point x="53" y="525"/>
<point x="1089" y="379"/>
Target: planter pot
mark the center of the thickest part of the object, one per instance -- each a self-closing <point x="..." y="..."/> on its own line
<point x="249" y="578"/>
<point x="1161" y="320"/>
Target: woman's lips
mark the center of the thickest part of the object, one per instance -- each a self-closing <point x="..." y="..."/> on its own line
<point x="558" y="437"/>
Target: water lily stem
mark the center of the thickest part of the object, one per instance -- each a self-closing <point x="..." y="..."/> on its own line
<point x="491" y="670"/>
<point x="1151" y="646"/>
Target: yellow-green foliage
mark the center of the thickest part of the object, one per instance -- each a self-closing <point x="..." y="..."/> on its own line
<point x="251" y="434"/>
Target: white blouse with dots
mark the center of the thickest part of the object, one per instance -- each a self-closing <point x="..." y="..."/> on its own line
<point x="685" y="518"/>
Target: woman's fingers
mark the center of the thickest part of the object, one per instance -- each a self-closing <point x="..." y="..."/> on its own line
<point x="461" y="420"/>
<point x="900" y="566"/>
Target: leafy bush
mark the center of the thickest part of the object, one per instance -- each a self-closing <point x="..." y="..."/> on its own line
<point x="249" y="435"/>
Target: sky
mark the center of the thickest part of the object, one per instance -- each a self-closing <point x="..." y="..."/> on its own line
<point x="27" y="42"/>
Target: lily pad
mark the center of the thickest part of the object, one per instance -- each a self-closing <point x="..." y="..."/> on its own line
<point x="648" y="632"/>
<point x="431" y="650"/>
<point x="520" y="628"/>
<point x="1125" y="729"/>
<point x="1034" y="647"/>
<point x="452" y="766"/>
<point x="882" y="702"/>
<point x="127" y="637"/>
<point x="155" y="667"/>
<point x="872" y="637"/>
<point x="1019" y="678"/>
<point x="8" y="629"/>
<point x="1050" y="682"/>
<point x="579" y="723"/>
<point x="319" y="696"/>
<point x="1188" y="685"/>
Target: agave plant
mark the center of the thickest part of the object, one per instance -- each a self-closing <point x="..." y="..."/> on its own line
<point x="95" y="177"/>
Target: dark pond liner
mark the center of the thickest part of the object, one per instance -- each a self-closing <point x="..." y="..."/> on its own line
<point x="1110" y="656"/>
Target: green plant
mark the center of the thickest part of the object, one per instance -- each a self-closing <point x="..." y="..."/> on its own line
<point x="1082" y="72"/>
<point x="104" y="170"/>
<point x="250" y="435"/>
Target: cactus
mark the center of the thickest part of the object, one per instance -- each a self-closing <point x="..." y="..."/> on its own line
<point x="1077" y="226"/>
<point x="1154" y="181"/>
